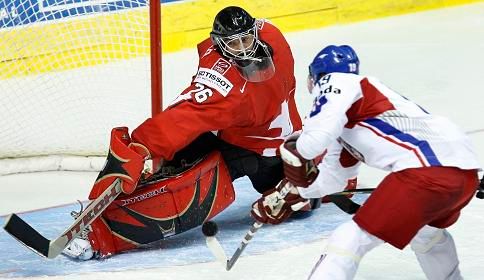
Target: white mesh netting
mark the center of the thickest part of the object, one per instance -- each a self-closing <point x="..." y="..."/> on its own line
<point x="70" y="70"/>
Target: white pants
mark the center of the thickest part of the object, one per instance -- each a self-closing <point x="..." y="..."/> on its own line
<point x="434" y="248"/>
<point x="436" y="254"/>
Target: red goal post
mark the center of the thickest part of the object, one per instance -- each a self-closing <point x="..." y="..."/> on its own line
<point x="69" y="72"/>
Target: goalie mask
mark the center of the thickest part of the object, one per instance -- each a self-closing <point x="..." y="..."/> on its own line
<point x="235" y="34"/>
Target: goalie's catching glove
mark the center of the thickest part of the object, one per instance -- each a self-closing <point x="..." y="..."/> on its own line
<point x="125" y="161"/>
<point x="276" y="205"/>
<point x="299" y="171"/>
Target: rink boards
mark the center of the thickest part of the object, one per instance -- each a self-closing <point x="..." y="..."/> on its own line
<point x="184" y="24"/>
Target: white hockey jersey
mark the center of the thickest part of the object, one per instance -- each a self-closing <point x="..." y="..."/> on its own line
<point x="380" y="128"/>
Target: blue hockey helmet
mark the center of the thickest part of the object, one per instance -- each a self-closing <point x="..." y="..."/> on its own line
<point x="342" y="59"/>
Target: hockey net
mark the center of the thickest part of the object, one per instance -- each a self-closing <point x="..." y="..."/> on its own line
<point x="70" y="70"/>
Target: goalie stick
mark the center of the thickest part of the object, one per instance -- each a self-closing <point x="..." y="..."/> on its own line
<point x="32" y="239"/>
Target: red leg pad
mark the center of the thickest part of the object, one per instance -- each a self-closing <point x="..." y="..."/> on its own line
<point x="159" y="209"/>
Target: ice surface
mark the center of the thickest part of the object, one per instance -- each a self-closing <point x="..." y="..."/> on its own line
<point x="233" y="224"/>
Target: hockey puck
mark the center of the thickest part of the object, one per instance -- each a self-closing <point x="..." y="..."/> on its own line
<point x="209" y="228"/>
<point x="480" y="194"/>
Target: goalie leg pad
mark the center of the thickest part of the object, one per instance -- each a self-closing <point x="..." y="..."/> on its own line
<point x="101" y="238"/>
<point x="162" y="208"/>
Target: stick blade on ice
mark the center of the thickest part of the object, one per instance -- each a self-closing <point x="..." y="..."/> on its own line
<point x="32" y="239"/>
<point x="27" y="235"/>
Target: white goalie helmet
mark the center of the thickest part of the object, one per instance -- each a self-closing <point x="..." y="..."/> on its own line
<point x="235" y="33"/>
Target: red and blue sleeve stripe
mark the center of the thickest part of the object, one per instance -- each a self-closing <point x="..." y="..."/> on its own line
<point x="421" y="148"/>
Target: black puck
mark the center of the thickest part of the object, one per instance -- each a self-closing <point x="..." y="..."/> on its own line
<point x="480" y="194"/>
<point x="209" y="228"/>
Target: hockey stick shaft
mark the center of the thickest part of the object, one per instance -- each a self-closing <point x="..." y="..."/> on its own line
<point x="362" y="190"/>
<point x="344" y="203"/>
<point x="219" y="253"/>
<point x="32" y="239"/>
<point x="247" y="238"/>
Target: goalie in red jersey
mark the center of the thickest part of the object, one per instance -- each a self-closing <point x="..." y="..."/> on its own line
<point x="228" y="123"/>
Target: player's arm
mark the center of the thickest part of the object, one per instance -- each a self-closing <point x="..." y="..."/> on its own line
<point x="159" y="137"/>
<point x="331" y="170"/>
<point x="200" y="108"/>
<point x="337" y="94"/>
<point x="337" y="169"/>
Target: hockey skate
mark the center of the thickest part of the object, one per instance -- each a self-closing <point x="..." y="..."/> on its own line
<point x="80" y="248"/>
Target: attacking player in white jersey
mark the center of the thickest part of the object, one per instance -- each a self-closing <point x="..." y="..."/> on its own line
<point x="431" y="163"/>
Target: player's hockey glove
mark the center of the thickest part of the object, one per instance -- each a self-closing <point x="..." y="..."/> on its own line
<point x="298" y="170"/>
<point x="276" y="205"/>
<point x="125" y="161"/>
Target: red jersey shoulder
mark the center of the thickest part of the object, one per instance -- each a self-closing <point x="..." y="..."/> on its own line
<point x="265" y="26"/>
<point x="271" y="34"/>
<point x="282" y="54"/>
